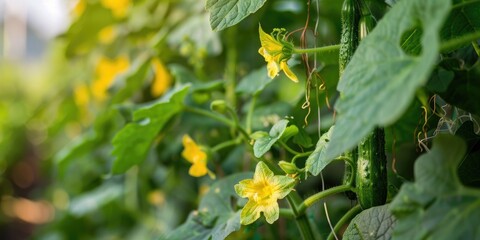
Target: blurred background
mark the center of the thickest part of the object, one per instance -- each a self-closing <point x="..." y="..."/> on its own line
<point x="28" y="82"/>
<point x="71" y="73"/>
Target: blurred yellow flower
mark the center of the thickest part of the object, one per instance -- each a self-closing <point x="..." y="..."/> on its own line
<point x="195" y="156"/>
<point x="107" y="34"/>
<point x="79" y="8"/>
<point x="106" y="71"/>
<point x="276" y="53"/>
<point x="119" y="7"/>
<point x="81" y="95"/>
<point x="162" y="80"/>
<point x="262" y="192"/>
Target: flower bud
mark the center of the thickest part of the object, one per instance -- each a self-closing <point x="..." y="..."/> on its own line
<point x="288" y="167"/>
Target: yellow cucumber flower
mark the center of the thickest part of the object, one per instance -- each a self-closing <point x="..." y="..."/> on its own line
<point x="196" y="156"/>
<point x="119" y="7"/>
<point x="276" y="52"/>
<point x="79" y="8"/>
<point x="107" y="34"/>
<point x="106" y="71"/>
<point x="262" y="192"/>
<point x="162" y="80"/>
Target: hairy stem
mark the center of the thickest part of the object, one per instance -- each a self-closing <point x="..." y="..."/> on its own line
<point x="346" y="218"/>
<point x="323" y="194"/>
<point x="459" y="41"/>
<point x="323" y="49"/>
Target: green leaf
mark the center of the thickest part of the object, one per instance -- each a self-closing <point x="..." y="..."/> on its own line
<point x="289" y="132"/>
<point x="470" y="166"/>
<point x="371" y="224"/>
<point x="82" y="34"/>
<point x="464" y="90"/>
<point x="302" y="138"/>
<point x="131" y="144"/>
<point x="380" y="81"/>
<point x="437" y="205"/>
<point x="197" y="30"/>
<point x="182" y="74"/>
<point x="78" y="147"/>
<point x="316" y="162"/>
<point x="463" y="19"/>
<point x="263" y="145"/>
<point x="254" y="82"/>
<point x="226" y="13"/>
<point x="94" y="200"/>
<point x="215" y="217"/>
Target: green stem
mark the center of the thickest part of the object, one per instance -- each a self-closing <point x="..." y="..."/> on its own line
<point x="346" y="218"/>
<point x="131" y="182"/>
<point x="234" y="124"/>
<point x="459" y="41"/>
<point x="209" y="114"/>
<point x="226" y="144"/>
<point x="287" y="213"/>
<point x="476" y="47"/>
<point x="250" y="114"/>
<point x="463" y="4"/>
<point x="305" y="154"/>
<point x="234" y="116"/>
<point x="303" y="225"/>
<point x="323" y="49"/>
<point x="288" y="148"/>
<point x="320" y="195"/>
<point x="231" y="67"/>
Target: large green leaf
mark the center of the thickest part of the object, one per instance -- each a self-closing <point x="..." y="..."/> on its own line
<point x="437" y="205"/>
<point x="371" y="224"/>
<point x="263" y="145"/>
<point x="381" y="79"/>
<point x="462" y="20"/>
<point x="131" y="144"/>
<point x="316" y="162"/>
<point x="464" y="90"/>
<point x="254" y="82"/>
<point x="215" y="217"/>
<point x="226" y="13"/>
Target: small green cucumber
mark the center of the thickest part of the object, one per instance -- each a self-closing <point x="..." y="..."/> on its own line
<point x="349" y="38"/>
<point x="371" y="176"/>
<point x="348" y="44"/>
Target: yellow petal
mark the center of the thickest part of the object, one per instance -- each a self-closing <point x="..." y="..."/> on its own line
<point x="271" y="212"/>
<point x="244" y="188"/>
<point x="268" y="42"/>
<point x="79" y="8"/>
<point x="262" y="173"/>
<point x="81" y="95"/>
<point x="121" y="64"/>
<point x="198" y="169"/>
<point x="250" y="213"/>
<point x="288" y="72"/>
<point x="162" y="80"/>
<point x="106" y="35"/>
<point x="272" y="68"/>
<point x="192" y="151"/>
<point x="119" y="7"/>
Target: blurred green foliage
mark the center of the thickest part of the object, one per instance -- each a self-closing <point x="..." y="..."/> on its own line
<point x="91" y="133"/>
